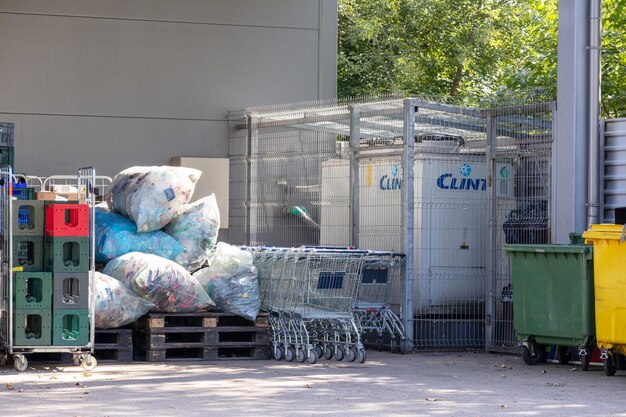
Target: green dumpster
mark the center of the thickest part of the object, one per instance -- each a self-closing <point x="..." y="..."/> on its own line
<point x="553" y="299"/>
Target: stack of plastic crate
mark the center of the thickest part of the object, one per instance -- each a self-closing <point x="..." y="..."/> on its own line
<point x="6" y="144"/>
<point x="33" y="287"/>
<point x="66" y="256"/>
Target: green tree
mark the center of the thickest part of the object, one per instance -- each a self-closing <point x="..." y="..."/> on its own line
<point x="468" y="49"/>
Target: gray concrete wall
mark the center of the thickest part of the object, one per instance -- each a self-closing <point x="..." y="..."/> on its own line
<point x="136" y="82"/>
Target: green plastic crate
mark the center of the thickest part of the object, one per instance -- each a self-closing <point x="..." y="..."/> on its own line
<point x="28" y="253"/>
<point x="67" y="254"/>
<point x="28" y="218"/>
<point x="33" y="290"/>
<point x="32" y="327"/>
<point x="70" y="327"/>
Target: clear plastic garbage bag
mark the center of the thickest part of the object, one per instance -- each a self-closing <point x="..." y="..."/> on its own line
<point x="168" y="285"/>
<point x="117" y="235"/>
<point x="231" y="281"/>
<point x="152" y="196"/>
<point x="196" y="228"/>
<point x="116" y="304"/>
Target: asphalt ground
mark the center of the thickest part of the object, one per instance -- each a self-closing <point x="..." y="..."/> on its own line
<point x="424" y="384"/>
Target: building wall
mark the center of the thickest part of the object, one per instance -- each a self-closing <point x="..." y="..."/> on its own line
<point x="136" y="82"/>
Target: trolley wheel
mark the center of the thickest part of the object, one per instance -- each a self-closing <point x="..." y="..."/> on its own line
<point x="328" y="352"/>
<point x="278" y="352"/>
<point x="362" y="357"/>
<point x="76" y="360"/>
<point x="564" y="355"/>
<point x="3" y="360"/>
<point x="89" y="363"/>
<point x="584" y="361"/>
<point x="609" y="366"/>
<point x="300" y="356"/>
<point x="351" y="354"/>
<point x="339" y="353"/>
<point x="312" y="356"/>
<point x="20" y="363"/>
<point x="319" y="351"/>
<point x="537" y="357"/>
<point x="289" y="354"/>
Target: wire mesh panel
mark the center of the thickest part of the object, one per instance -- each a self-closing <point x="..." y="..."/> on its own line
<point x="335" y="174"/>
<point x="522" y="137"/>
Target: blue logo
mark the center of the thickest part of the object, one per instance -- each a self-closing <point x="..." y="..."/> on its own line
<point x="448" y="181"/>
<point x="465" y="170"/>
<point x="392" y="182"/>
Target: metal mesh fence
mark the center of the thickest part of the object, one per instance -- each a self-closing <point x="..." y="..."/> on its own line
<point x="335" y="174"/>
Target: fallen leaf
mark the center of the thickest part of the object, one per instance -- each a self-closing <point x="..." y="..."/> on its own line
<point x="86" y="392"/>
<point x="502" y="376"/>
<point x="573" y="369"/>
<point x="53" y="377"/>
<point x="432" y="399"/>
<point x="308" y="386"/>
<point x="543" y="371"/>
<point x="86" y="374"/>
<point x="503" y="366"/>
<point x="21" y="390"/>
<point x="9" y="386"/>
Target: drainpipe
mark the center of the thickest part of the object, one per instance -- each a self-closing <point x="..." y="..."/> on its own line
<point x="595" y="43"/>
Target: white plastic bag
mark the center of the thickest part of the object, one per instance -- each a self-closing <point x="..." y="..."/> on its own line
<point x="152" y="196"/>
<point x="231" y="281"/>
<point x="196" y="230"/>
<point x="164" y="282"/>
<point x="116" y="304"/>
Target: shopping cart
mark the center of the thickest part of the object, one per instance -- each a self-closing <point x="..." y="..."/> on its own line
<point x="371" y="309"/>
<point x="310" y="294"/>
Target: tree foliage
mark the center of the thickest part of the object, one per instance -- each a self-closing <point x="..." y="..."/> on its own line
<point x="466" y="48"/>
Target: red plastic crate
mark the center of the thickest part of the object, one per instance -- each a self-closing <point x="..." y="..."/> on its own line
<point x="67" y="220"/>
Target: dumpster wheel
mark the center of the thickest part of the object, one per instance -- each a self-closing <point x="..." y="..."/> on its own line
<point x="609" y="365"/>
<point x="536" y="356"/>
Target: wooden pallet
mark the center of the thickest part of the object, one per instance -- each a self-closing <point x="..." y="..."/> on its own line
<point x="200" y="336"/>
<point x="114" y="345"/>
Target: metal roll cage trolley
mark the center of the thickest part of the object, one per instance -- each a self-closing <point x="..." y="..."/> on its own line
<point x="81" y="353"/>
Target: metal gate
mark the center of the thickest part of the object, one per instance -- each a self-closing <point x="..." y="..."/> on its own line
<point x="471" y="179"/>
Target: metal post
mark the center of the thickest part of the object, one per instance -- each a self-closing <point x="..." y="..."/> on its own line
<point x="491" y="252"/>
<point x="595" y="74"/>
<point x="408" y="229"/>
<point x="355" y="142"/>
<point x="251" y="175"/>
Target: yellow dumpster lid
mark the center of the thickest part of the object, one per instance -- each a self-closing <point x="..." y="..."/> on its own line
<point x="605" y="231"/>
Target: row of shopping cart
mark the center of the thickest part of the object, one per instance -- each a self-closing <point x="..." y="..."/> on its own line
<point x="321" y="301"/>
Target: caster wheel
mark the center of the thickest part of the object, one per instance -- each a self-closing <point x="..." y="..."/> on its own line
<point x="609" y="366"/>
<point x="351" y="354"/>
<point x="361" y="357"/>
<point x="278" y="353"/>
<point x="339" y="353"/>
<point x="20" y="363"/>
<point x="537" y="357"/>
<point x="328" y="352"/>
<point x="584" y="362"/>
<point x="289" y="354"/>
<point x="300" y="356"/>
<point x="3" y="360"/>
<point x="312" y="356"/>
<point x="89" y="363"/>
<point x="319" y="351"/>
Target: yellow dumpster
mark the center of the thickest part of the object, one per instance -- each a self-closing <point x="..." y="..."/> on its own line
<point x="609" y="252"/>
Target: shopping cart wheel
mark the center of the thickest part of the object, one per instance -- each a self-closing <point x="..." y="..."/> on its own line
<point x="289" y="354"/>
<point x="300" y="356"/>
<point x="278" y="352"/>
<point x="89" y="363"/>
<point x="328" y="352"/>
<point x="319" y="351"/>
<point x="536" y="357"/>
<point x="351" y="354"/>
<point x="609" y="365"/>
<point x="312" y="356"/>
<point x="339" y="353"/>
<point x="20" y="363"/>
<point x="362" y="355"/>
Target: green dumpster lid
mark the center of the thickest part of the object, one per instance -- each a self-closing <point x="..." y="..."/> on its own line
<point x="584" y="249"/>
<point x="605" y="231"/>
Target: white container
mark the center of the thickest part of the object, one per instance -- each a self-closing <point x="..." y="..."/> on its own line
<point x="450" y="222"/>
